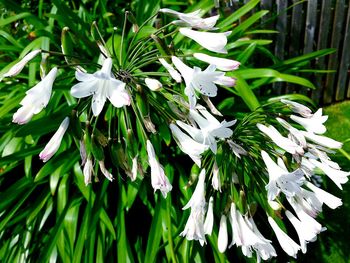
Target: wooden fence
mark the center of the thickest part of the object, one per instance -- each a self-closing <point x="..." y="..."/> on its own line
<point x="308" y="26"/>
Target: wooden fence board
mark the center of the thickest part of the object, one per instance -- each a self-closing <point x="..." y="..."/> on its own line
<point x="333" y="59"/>
<point x="345" y="62"/>
<point x="322" y="42"/>
<point x="281" y="27"/>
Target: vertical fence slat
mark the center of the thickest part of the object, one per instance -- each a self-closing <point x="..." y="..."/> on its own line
<point x="333" y="59"/>
<point x="322" y="42"/>
<point x="295" y="33"/>
<point x="311" y="20"/>
<point x="281" y="27"/>
<point x="310" y="28"/>
<point x="345" y="61"/>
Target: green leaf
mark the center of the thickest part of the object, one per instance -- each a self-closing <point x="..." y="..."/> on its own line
<point x="238" y="14"/>
<point x="154" y="235"/>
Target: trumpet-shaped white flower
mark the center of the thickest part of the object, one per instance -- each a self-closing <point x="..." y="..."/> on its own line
<point x="263" y="250"/>
<point x="308" y="221"/>
<point x="215" y="180"/>
<point x="188" y="145"/>
<point x="217" y="41"/>
<point x="52" y="146"/>
<point x="312" y="124"/>
<point x="298" y="108"/>
<point x="337" y="176"/>
<point x="242" y="231"/>
<point x="101" y="85"/>
<point x="223" y="64"/>
<point x="281" y="141"/>
<point x="196" y="79"/>
<point x="222" y="236"/>
<point x="305" y="234"/>
<point x="322" y="140"/>
<point x="36" y="99"/>
<point x="210" y="128"/>
<point x="209" y="219"/>
<point x="280" y="180"/>
<point x="104" y="171"/>
<point x="88" y="171"/>
<point x="226" y="81"/>
<point x="173" y="72"/>
<point x="194" y="229"/>
<point x="330" y="200"/>
<point x="153" y="84"/>
<point x="294" y="134"/>
<point x="158" y="177"/>
<point x="17" y="68"/>
<point x="287" y="244"/>
<point x="192" y="19"/>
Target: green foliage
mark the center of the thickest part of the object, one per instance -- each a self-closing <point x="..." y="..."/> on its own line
<point x="46" y="210"/>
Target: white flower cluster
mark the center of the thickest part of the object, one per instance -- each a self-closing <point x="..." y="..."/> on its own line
<point x="198" y="132"/>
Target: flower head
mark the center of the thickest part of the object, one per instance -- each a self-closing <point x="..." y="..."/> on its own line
<point x="280" y="180"/>
<point x="312" y="124"/>
<point x="101" y="85"/>
<point x="198" y="80"/>
<point x="88" y="171"/>
<point x="52" y="146"/>
<point x="173" y="72"/>
<point x="298" y="108"/>
<point x="36" y="99"/>
<point x="222" y="236"/>
<point x="153" y="84"/>
<point x="158" y="177"/>
<point x="189" y="146"/>
<point x="209" y="219"/>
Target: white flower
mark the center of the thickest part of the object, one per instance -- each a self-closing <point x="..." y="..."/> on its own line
<point x="337" y="176"/>
<point x="52" y="146"/>
<point x="198" y="196"/>
<point x="223" y="64"/>
<point x="305" y="234"/>
<point x="158" y="177"/>
<point x="330" y="200"/>
<point x="215" y="42"/>
<point x="101" y="85"/>
<point x="298" y="108"/>
<point x="215" y="180"/>
<point x="294" y="134"/>
<point x="322" y="140"/>
<point x="194" y="229"/>
<point x="242" y="232"/>
<point x="222" y="236"/>
<point x="196" y="79"/>
<point x="173" y="72"/>
<point x="210" y="128"/>
<point x="36" y="99"/>
<point x="308" y="221"/>
<point x="88" y="171"/>
<point x="153" y="84"/>
<point x="104" y="171"/>
<point x="188" y="145"/>
<point x="282" y="142"/>
<point x="280" y="179"/>
<point x="309" y="202"/>
<point x="82" y="151"/>
<point x="209" y="219"/>
<point x="192" y="19"/>
<point x="17" y="68"/>
<point x="312" y="124"/>
<point x="263" y="250"/>
<point x="287" y="244"/>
